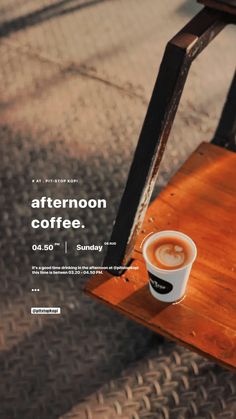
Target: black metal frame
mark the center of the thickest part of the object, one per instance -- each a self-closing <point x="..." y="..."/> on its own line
<point x="178" y="57"/>
<point x="225" y="135"/>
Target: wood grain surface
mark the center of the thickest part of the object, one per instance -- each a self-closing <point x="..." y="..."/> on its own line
<point x="200" y="202"/>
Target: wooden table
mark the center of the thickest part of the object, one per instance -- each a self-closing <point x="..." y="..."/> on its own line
<point x="199" y="201"/>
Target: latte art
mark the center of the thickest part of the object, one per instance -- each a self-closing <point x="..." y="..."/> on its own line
<point x="170" y="255"/>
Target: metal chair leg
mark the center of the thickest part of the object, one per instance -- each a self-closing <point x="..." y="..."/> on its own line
<point x="178" y="56"/>
<point x="225" y="135"/>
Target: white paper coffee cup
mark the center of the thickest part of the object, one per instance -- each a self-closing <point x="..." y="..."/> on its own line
<point x="169" y="285"/>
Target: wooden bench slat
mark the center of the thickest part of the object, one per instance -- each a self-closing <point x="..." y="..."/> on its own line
<point x="200" y="201"/>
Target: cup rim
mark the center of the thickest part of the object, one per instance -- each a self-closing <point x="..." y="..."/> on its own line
<point x="165" y="233"/>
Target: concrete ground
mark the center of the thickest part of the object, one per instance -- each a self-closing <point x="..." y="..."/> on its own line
<point x="75" y="81"/>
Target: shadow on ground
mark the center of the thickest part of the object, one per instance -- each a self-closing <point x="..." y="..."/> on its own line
<point x="44" y="14"/>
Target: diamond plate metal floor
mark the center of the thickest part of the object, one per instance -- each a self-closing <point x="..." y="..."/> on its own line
<point x="75" y="80"/>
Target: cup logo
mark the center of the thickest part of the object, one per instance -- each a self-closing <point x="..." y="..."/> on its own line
<point x="159" y="285"/>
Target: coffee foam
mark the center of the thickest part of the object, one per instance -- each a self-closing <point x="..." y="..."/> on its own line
<point x="169" y="252"/>
<point x="170" y="255"/>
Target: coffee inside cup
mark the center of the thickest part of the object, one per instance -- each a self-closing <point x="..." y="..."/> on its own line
<point x="169" y="253"/>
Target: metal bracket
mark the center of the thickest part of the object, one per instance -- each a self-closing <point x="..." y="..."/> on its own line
<point x="179" y="54"/>
<point x="225" y="135"/>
